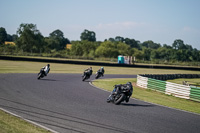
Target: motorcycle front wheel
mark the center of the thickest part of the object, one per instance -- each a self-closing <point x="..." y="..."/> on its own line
<point x="97" y="76"/>
<point x="118" y="99"/>
<point x="84" y="78"/>
<point x="39" y="76"/>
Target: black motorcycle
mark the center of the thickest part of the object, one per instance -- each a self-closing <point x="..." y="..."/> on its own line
<point x="98" y="75"/>
<point x="41" y="74"/>
<point x="86" y="75"/>
<point x="121" y="93"/>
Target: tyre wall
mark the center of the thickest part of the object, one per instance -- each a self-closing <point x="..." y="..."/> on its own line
<point x="177" y="90"/>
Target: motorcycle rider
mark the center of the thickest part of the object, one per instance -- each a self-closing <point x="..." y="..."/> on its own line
<point x="101" y="70"/>
<point x="118" y="88"/>
<point x="45" y="70"/>
<point x="130" y="87"/>
<point x="115" y="90"/>
<point x="88" y="71"/>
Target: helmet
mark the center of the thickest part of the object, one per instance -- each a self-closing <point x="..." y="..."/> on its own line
<point x="129" y="83"/>
<point x="101" y="67"/>
<point x="48" y="65"/>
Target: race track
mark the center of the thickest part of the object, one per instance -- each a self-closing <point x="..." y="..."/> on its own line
<point x="64" y="103"/>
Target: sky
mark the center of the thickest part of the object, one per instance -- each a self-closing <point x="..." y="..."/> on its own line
<point x="161" y="21"/>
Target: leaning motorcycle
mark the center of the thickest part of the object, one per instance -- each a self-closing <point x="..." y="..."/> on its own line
<point x="98" y="75"/>
<point x="120" y="95"/>
<point x="85" y="76"/>
<point x="41" y="74"/>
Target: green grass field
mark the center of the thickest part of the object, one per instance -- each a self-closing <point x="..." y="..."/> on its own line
<point x="12" y="124"/>
<point x="7" y="121"/>
<point x="34" y="67"/>
<point x="191" y="81"/>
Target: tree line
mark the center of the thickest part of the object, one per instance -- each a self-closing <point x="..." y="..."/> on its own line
<point x="29" y="39"/>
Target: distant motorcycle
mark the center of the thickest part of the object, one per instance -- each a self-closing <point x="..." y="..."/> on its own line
<point x="98" y="75"/>
<point x="41" y="74"/>
<point x="86" y="75"/>
<point x="121" y="93"/>
<point x="44" y="71"/>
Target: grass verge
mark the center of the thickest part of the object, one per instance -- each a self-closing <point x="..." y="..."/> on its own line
<point x="34" y="67"/>
<point x="12" y="124"/>
<point x="191" y="81"/>
<point x="151" y="96"/>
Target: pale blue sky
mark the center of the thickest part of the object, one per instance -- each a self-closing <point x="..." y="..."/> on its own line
<point x="161" y="21"/>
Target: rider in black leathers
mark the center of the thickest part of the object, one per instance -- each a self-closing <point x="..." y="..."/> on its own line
<point x="119" y="87"/>
<point x="88" y="71"/>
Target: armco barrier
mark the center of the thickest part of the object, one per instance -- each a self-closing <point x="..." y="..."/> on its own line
<point x="142" y="81"/>
<point x="170" y="76"/>
<point x="177" y="90"/>
<point x="157" y="85"/>
<point x="195" y="93"/>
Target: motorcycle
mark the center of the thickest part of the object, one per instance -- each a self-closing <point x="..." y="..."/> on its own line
<point x="98" y="75"/>
<point x="120" y="94"/>
<point x="41" y="74"/>
<point x="86" y="75"/>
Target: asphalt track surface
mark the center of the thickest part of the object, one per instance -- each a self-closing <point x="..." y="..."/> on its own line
<point x="63" y="103"/>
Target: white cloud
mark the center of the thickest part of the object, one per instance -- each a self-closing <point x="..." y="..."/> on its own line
<point x="190" y="30"/>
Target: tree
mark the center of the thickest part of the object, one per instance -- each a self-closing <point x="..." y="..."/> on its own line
<point x="181" y="55"/>
<point x="132" y="43"/>
<point x="14" y="37"/>
<point x="88" y="46"/>
<point x="56" y="40"/>
<point x="195" y="55"/>
<point x="138" y="54"/>
<point x="83" y="48"/>
<point x="119" y="39"/>
<point x="167" y="46"/>
<point x="147" y="53"/>
<point x="11" y="38"/>
<point x="88" y="35"/>
<point x="188" y="47"/>
<point x="124" y="49"/>
<point x="151" y="44"/>
<point x="76" y="48"/>
<point x="154" y="54"/>
<point x="30" y="39"/>
<point x="111" y="39"/>
<point x="178" y="44"/>
<point x="107" y="49"/>
<point x="164" y="53"/>
<point x="3" y="35"/>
